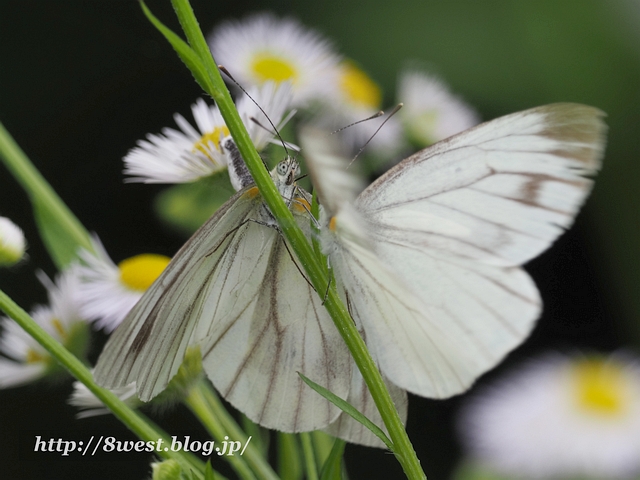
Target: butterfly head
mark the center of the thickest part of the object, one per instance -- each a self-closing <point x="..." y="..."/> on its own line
<point x="286" y="172"/>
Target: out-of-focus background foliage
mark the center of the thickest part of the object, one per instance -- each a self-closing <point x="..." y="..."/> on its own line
<point x="81" y="81"/>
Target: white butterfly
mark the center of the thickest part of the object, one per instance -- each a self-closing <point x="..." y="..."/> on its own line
<point x="427" y="256"/>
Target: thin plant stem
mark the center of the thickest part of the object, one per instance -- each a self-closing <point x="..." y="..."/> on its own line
<point x="198" y="405"/>
<point x="309" y="456"/>
<point x="403" y="449"/>
<point x="252" y="455"/>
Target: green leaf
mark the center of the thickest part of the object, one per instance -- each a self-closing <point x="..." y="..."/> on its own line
<point x="349" y="410"/>
<point x="332" y="468"/>
<point x="55" y="237"/>
<point x="187" y="206"/>
<point x="208" y="471"/>
<point x="289" y="457"/>
<point x="184" y="51"/>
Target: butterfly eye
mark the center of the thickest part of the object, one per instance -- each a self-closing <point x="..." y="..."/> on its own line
<point x="283" y="168"/>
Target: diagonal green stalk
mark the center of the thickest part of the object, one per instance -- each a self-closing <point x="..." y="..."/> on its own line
<point x="42" y="195"/>
<point x="403" y="449"/>
<point x="133" y="420"/>
<point x="206" y="405"/>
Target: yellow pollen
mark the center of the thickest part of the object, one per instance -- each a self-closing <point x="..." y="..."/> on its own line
<point x="332" y="224"/>
<point x="266" y="66"/>
<point x="34" y="357"/>
<point x="139" y="272"/>
<point x="358" y="87"/>
<point x="600" y="386"/>
<point x="57" y="325"/>
<point x="213" y="137"/>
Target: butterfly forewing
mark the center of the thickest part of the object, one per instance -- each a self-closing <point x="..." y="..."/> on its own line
<point x="148" y="347"/>
<point x="499" y="193"/>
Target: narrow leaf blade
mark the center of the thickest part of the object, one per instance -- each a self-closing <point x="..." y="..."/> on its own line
<point x="349" y="410"/>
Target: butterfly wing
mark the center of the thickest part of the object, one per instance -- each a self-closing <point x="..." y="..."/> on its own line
<point x="253" y="353"/>
<point x="433" y="274"/>
<point x="499" y="193"/>
<point x="455" y="220"/>
<point x="149" y="345"/>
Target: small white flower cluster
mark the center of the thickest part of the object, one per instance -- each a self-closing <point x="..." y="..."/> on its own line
<point x="559" y="417"/>
<point x="285" y="66"/>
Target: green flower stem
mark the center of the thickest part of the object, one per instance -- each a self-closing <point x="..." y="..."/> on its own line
<point x="252" y="454"/>
<point x="403" y="448"/>
<point x="39" y="190"/>
<point x="309" y="456"/>
<point x="198" y="404"/>
<point x="134" y="421"/>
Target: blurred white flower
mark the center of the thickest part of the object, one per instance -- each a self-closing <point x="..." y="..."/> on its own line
<point x="263" y="47"/>
<point x="108" y="291"/>
<point x="559" y="417"/>
<point x="12" y="243"/>
<point x="431" y="112"/>
<point x="27" y="359"/>
<point x="91" y="406"/>
<point x="355" y="98"/>
<point x="185" y="155"/>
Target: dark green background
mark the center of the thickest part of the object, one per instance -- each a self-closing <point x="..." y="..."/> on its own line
<point x="80" y="82"/>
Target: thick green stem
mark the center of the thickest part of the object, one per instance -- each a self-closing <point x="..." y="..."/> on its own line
<point x="133" y="420"/>
<point x="218" y="90"/>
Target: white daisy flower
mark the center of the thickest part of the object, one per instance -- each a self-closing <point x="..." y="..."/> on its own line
<point x="560" y="417"/>
<point x="26" y="359"/>
<point x="431" y="112"/>
<point x="264" y="47"/>
<point x="355" y="98"/>
<point x="12" y="243"/>
<point x="185" y="155"/>
<point x="91" y="406"/>
<point x="108" y="291"/>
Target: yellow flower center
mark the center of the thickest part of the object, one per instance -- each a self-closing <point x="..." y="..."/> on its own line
<point x="139" y="272"/>
<point x="601" y="386"/>
<point x="34" y="357"/>
<point x="57" y="326"/>
<point x="358" y="87"/>
<point x="213" y="137"/>
<point x="266" y="66"/>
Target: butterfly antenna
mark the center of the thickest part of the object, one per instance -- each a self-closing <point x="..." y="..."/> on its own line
<point x="393" y="112"/>
<point x="226" y="72"/>
<point x="290" y="145"/>
<point x="379" y="114"/>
